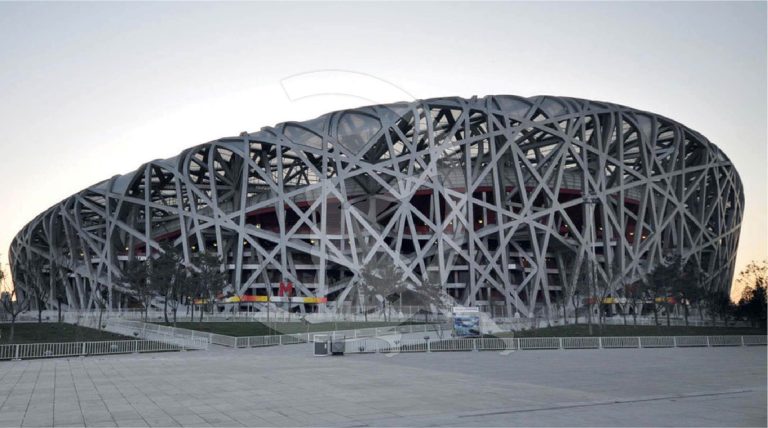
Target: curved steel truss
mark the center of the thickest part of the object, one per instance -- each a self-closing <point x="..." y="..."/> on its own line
<point x="485" y="196"/>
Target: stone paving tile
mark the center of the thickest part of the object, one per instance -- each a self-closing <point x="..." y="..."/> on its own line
<point x="162" y="422"/>
<point x="131" y="423"/>
<point x="68" y="420"/>
<point x="10" y="419"/>
<point x="38" y="421"/>
<point x="285" y="386"/>
<point x="219" y="419"/>
<point x="125" y="414"/>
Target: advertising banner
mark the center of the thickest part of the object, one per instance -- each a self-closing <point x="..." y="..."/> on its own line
<point x="466" y="321"/>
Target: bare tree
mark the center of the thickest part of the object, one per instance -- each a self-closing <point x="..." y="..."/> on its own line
<point x="210" y="279"/>
<point x="634" y="295"/>
<point x="606" y="285"/>
<point x="32" y="273"/>
<point x="689" y="287"/>
<point x="581" y="290"/>
<point x="568" y="288"/>
<point x="136" y="276"/>
<point x="100" y="296"/>
<point x="384" y="280"/>
<point x="56" y="276"/>
<point x="659" y="282"/>
<point x="362" y="297"/>
<point x="431" y="293"/>
<point x="164" y="270"/>
<point x="754" y="278"/>
<point x="13" y="304"/>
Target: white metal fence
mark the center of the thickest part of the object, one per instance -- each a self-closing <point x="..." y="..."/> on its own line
<point x="395" y="344"/>
<point x="287" y="339"/>
<point x="139" y="330"/>
<point x="200" y="338"/>
<point x="151" y="332"/>
<point x="410" y="313"/>
<point x="73" y="349"/>
<point x="517" y="324"/>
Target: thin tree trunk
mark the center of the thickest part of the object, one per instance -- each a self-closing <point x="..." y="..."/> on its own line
<point x="58" y="301"/>
<point x="565" y="314"/>
<point x="13" y="328"/>
<point x="165" y="309"/>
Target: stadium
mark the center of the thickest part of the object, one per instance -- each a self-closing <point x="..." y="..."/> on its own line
<point x="500" y="202"/>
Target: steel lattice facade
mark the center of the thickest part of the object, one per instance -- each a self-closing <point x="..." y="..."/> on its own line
<point x="486" y="196"/>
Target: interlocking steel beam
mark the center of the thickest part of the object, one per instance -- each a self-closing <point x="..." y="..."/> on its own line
<point x="484" y="195"/>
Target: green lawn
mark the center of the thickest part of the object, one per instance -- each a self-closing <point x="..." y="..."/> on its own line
<point x="262" y="329"/>
<point x="253" y="328"/>
<point x="49" y="332"/>
<point x="641" y="330"/>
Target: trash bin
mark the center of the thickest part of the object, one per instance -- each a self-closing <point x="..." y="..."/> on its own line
<point x="322" y="347"/>
<point x="338" y="345"/>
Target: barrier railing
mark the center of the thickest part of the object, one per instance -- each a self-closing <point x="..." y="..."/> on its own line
<point x="201" y="339"/>
<point x="657" y="342"/>
<point x="150" y="332"/>
<point x="754" y="340"/>
<point x="73" y="349"/>
<point x="580" y="343"/>
<point x="289" y="339"/>
<point x="414" y="314"/>
<point x="517" y="324"/>
<point x="620" y="342"/>
<point x="395" y="344"/>
<point x="683" y="341"/>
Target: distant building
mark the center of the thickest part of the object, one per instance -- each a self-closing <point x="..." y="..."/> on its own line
<point x="486" y="196"/>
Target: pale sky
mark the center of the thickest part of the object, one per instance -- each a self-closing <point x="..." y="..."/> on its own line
<point x="90" y="90"/>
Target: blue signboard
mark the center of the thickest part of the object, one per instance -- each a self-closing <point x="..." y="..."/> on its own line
<point x="466" y="324"/>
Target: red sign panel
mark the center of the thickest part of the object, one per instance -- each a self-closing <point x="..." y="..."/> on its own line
<point x="286" y="289"/>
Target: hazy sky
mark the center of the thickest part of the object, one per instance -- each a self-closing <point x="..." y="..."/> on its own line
<point x="91" y="90"/>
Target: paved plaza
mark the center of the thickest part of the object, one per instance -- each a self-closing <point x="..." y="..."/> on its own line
<point x="286" y="386"/>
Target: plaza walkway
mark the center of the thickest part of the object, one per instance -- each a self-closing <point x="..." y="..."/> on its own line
<point x="286" y="386"/>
